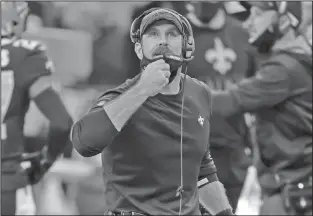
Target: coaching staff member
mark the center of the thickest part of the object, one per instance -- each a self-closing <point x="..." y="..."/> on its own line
<point x="154" y="155"/>
<point x="280" y="96"/>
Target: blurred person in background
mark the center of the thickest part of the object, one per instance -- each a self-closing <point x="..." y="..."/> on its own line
<point x="44" y="10"/>
<point x="240" y="10"/>
<point x="223" y="57"/>
<point x="25" y="75"/>
<point x="85" y="189"/>
<point x="77" y="99"/>
<point x="113" y="57"/>
<point x="280" y="95"/>
<point x="67" y="188"/>
<point x="34" y="23"/>
<point x="112" y="62"/>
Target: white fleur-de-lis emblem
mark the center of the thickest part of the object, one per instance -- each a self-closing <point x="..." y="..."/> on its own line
<point x="220" y="57"/>
<point x="201" y="120"/>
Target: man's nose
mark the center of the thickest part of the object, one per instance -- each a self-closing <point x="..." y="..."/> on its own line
<point x="163" y="39"/>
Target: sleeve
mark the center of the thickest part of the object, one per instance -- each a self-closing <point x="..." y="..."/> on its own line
<point x="51" y="105"/>
<point x="208" y="168"/>
<point x="103" y="99"/>
<point x="94" y="131"/>
<point x="270" y="86"/>
<point x="34" y="65"/>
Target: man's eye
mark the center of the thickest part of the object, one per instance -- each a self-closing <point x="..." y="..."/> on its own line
<point x="153" y="33"/>
<point x="173" y="34"/>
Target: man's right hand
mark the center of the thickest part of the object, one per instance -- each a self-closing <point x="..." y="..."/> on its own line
<point x="154" y="78"/>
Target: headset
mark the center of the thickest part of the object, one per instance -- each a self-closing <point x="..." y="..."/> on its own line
<point x="135" y="34"/>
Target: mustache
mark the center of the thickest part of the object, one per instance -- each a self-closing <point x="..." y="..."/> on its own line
<point x="162" y="50"/>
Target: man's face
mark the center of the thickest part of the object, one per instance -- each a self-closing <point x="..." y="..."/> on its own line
<point x="161" y="34"/>
<point x="259" y="21"/>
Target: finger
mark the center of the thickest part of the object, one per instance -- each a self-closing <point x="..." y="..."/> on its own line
<point x="162" y="81"/>
<point x="166" y="73"/>
<point x="166" y="81"/>
<point x="164" y="66"/>
<point x="160" y="61"/>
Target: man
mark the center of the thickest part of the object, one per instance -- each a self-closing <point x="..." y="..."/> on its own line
<point x="220" y="61"/>
<point x="153" y="155"/>
<point x="25" y="76"/>
<point x="281" y="96"/>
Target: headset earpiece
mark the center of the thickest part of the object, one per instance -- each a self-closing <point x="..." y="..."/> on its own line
<point x="189" y="44"/>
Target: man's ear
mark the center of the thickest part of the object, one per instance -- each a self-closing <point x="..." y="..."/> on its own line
<point x="138" y="50"/>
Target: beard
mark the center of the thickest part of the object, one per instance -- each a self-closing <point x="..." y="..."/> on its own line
<point x="163" y="52"/>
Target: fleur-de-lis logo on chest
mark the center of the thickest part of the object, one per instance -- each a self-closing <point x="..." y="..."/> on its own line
<point x="220" y="57"/>
<point x="200" y="120"/>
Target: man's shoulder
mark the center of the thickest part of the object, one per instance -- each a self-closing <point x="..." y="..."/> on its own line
<point x="197" y="84"/>
<point x="198" y="89"/>
<point x="123" y="87"/>
<point x="199" y="94"/>
<point x="114" y="92"/>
